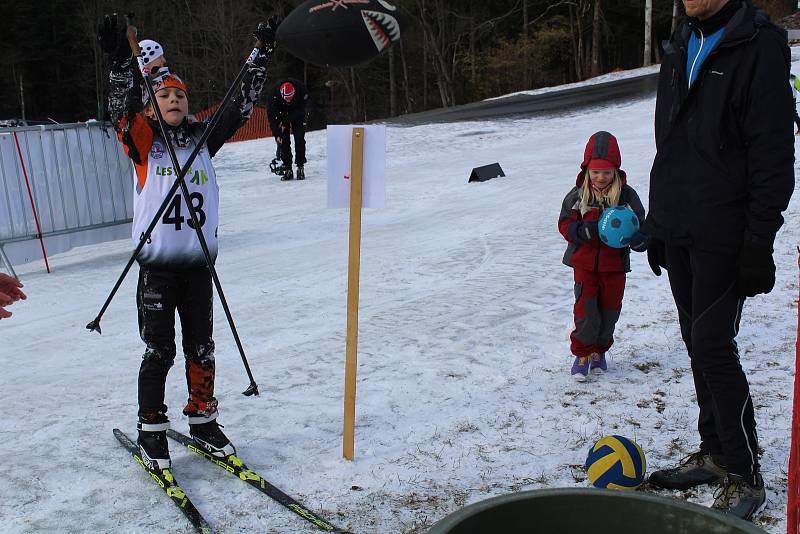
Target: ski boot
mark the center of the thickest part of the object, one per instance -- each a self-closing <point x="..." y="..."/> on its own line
<point x="287" y="174"/>
<point x="210" y="437"/>
<point x="301" y="174"/>
<point x="153" y="446"/>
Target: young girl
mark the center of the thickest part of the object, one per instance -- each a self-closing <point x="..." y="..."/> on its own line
<point x="599" y="269"/>
<point x="173" y="272"/>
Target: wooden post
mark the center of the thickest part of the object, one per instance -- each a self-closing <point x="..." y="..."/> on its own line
<point x="353" y="269"/>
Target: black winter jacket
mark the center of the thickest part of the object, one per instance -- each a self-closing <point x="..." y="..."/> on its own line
<point x="278" y="110"/>
<point x="724" y="165"/>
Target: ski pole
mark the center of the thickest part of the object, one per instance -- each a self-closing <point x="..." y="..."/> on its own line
<point x="252" y="389"/>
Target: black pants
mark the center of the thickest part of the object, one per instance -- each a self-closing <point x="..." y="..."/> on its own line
<point x="709" y="310"/>
<point x="295" y="125"/>
<point x="158" y="295"/>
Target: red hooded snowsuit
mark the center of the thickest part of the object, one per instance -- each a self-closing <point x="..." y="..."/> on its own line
<point x="599" y="269"/>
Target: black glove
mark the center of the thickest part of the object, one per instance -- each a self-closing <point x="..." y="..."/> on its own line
<point x="265" y="33"/>
<point x="656" y="255"/>
<point x="585" y="230"/>
<point x="639" y="242"/>
<point x="756" y="269"/>
<point x="113" y="39"/>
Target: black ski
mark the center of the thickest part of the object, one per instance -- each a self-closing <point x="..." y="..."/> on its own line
<point x="167" y="482"/>
<point x="235" y="466"/>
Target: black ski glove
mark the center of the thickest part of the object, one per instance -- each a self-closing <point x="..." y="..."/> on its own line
<point x="756" y="269"/>
<point x="113" y="39"/>
<point x="656" y="255"/>
<point x="639" y="242"/>
<point x="582" y="231"/>
<point x="265" y="33"/>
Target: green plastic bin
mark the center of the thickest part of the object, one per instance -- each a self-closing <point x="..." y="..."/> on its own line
<point x="588" y="511"/>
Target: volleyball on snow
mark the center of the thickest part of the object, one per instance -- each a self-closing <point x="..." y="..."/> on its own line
<point x="617" y="226"/>
<point x="616" y="462"/>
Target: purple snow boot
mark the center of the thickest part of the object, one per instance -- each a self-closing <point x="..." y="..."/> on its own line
<point x="598" y="363"/>
<point x="580" y="368"/>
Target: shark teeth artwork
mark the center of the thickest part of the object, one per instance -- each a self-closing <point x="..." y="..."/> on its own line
<point x="382" y="27"/>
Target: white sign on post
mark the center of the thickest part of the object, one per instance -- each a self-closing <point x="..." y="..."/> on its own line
<point x="339" y="165"/>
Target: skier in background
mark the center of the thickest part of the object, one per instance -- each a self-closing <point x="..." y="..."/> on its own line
<point x="286" y="110"/>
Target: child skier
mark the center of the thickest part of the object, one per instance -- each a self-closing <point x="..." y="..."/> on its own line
<point x="599" y="269"/>
<point x="173" y="272"/>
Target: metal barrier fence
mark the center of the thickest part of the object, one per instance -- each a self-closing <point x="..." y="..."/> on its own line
<point x="61" y="179"/>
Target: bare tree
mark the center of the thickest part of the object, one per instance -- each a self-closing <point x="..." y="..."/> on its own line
<point x="406" y="90"/>
<point x="777" y="9"/>
<point x="648" y="33"/>
<point x="675" y="15"/>
<point x="596" y="34"/>
<point x="392" y="85"/>
<point x="525" y="75"/>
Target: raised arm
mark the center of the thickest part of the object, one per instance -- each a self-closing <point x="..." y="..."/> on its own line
<point x="237" y="113"/>
<point x="124" y="90"/>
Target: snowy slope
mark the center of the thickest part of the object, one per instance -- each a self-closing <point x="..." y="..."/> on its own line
<point x="464" y="389"/>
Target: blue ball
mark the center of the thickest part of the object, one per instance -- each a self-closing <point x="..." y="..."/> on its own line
<point x="617" y="226"/>
<point x="616" y="462"/>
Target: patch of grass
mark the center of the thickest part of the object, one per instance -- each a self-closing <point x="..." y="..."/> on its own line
<point x="766" y="520"/>
<point x="577" y="472"/>
<point x="633" y="422"/>
<point x="676" y="447"/>
<point x="646" y="367"/>
<point x="465" y="427"/>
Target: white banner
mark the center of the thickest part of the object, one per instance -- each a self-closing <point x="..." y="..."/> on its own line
<point x="340" y="140"/>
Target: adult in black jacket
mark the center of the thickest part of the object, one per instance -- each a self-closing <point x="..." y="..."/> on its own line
<point x="722" y="175"/>
<point x="286" y="110"/>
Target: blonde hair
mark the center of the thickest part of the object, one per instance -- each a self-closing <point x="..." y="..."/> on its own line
<point x="590" y="197"/>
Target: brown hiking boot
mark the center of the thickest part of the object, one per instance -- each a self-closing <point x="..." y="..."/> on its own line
<point x="738" y="497"/>
<point x="696" y="469"/>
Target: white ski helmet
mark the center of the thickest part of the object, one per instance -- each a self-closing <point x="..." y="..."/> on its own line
<point x="151" y="50"/>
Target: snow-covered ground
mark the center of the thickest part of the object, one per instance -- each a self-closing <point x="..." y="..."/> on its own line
<point x="464" y="390"/>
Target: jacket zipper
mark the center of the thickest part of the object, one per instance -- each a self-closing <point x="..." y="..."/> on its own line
<point x="694" y="62"/>
<point x="710" y="55"/>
